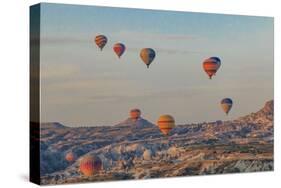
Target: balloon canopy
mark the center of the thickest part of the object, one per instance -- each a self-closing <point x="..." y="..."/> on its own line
<point x="119" y="49"/>
<point x="101" y="41"/>
<point x="226" y="105"/>
<point x="166" y="123"/>
<point x="135" y="114"/>
<point x="70" y="157"/>
<point x="211" y="66"/>
<point x="90" y="165"/>
<point x="147" y="55"/>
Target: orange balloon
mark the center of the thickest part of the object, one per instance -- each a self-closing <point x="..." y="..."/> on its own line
<point x="69" y="157"/>
<point x="166" y="123"/>
<point x="90" y="165"/>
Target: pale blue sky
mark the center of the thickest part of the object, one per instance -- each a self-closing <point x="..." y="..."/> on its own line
<point x="82" y="86"/>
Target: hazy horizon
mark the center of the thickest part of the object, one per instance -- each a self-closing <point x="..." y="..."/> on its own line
<point x="80" y="85"/>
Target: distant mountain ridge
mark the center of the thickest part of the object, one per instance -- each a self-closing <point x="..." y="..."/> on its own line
<point x="139" y="123"/>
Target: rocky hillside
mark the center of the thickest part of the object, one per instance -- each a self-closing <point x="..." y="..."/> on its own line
<point x="263" y="116"/>
<point x="138" y="150"/>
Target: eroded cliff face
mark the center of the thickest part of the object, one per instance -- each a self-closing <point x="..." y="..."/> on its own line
<point x="263" y="116"/>
<point x="138" y="150"/>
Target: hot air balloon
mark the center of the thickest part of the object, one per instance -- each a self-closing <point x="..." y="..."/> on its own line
<point x="119" y="49"/>
<point x="211" y="66"/>
<point x="101" y="41"/>
<point x="135" y="114"/>
<point x="226" y="105"/>
<point x="70" y="157"/>
<point x="147" y="55"/>
<point x="90" y="165"/>
<point x="166" y="123"/>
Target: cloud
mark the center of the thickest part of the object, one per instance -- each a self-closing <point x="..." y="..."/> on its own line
<point x="142" y="96"/>
<point x="65" y="40"/>
<point x="124" y="35"/>
<point x="153" y="36"/>
<point x="57" y="71"/>
<point x="175" y="51"/>
<point x="97" y="84"/>
<point x="87" y="90"/>
<point x="161" y="42"/>
<point x="135" y="41"/>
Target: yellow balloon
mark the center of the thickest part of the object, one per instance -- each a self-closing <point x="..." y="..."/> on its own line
<point x="226" y="105"/>
<point x="166" y="123"/>
<point x="147" y="55"/>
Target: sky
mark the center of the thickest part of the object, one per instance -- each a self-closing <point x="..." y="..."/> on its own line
<point x="83" y="86"/>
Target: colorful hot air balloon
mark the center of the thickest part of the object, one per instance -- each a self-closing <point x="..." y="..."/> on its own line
<point x="119" y="49"/>
<point x="101" y="41"/>
<point x="211" y="66"/>
<point x="135" y="114"/>
<point x="166" y="123"/>
<point x="226" y="105"/>
<point x="70" y="157"/>
<point x="90" y="165"/>
<point x="147" y="55"/>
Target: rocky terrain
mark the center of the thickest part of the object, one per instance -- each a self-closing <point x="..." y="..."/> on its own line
<point x="138" y="150"/>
